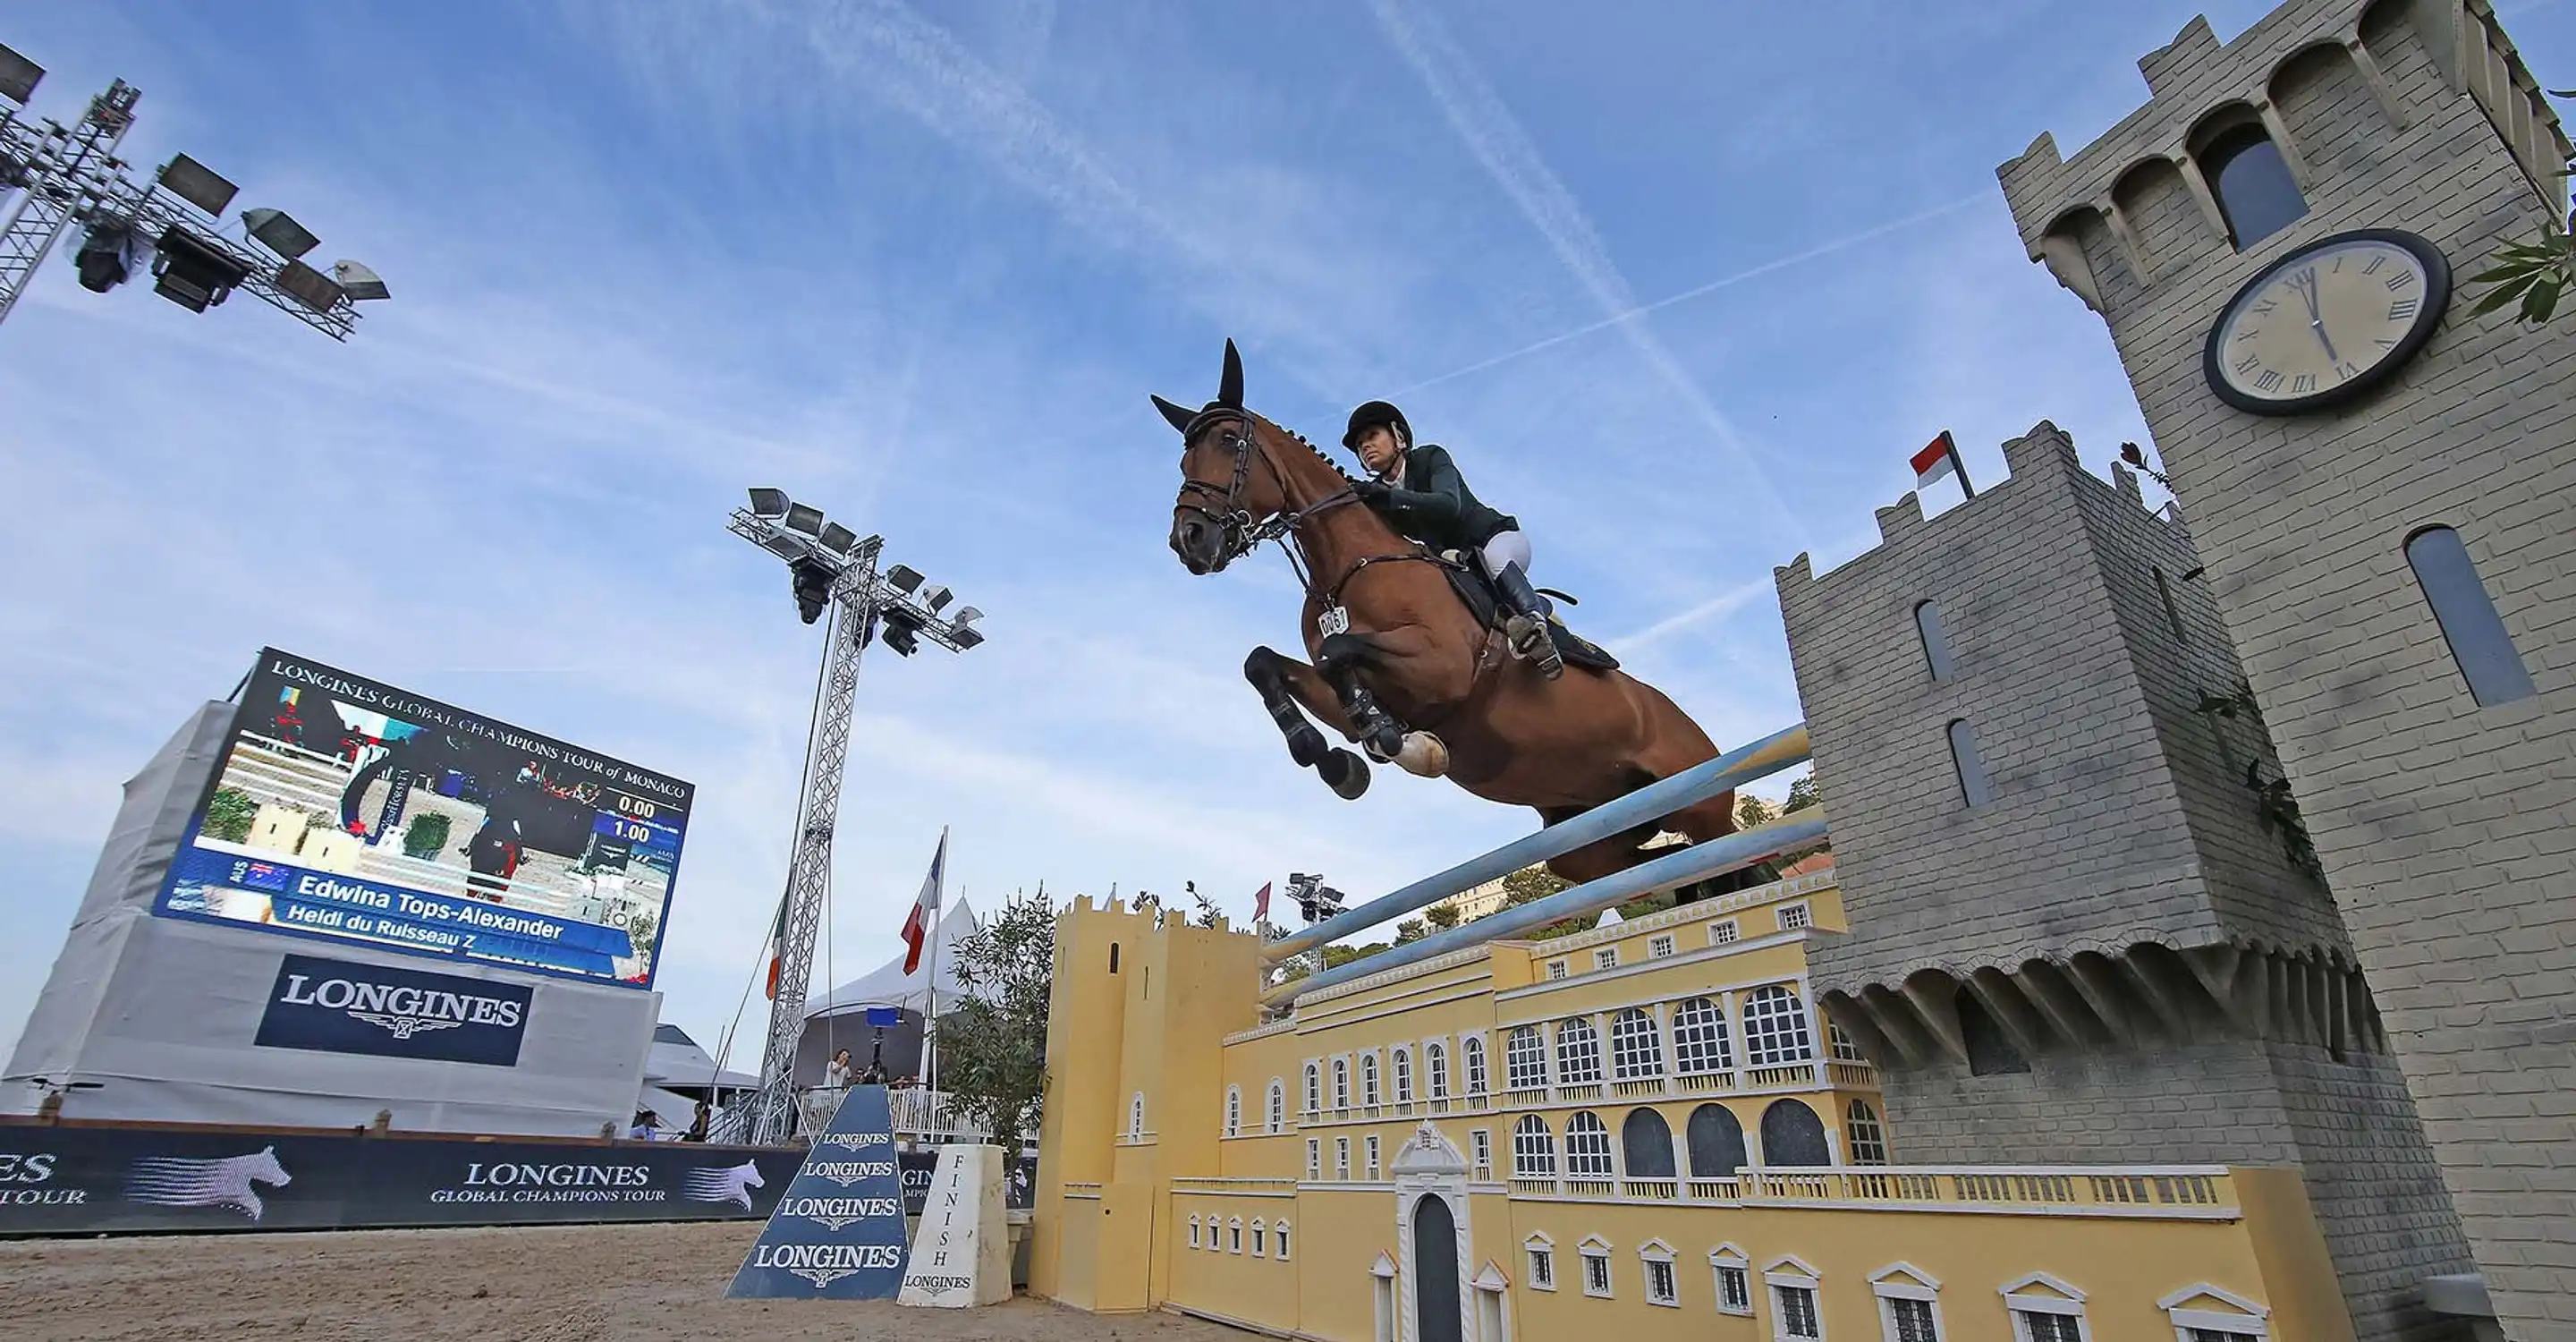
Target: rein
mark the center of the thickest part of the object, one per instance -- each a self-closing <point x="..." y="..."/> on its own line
<point x="1243" y="533"/>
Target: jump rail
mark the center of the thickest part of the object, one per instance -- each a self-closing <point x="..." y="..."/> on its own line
<point x="1773" y="753"/>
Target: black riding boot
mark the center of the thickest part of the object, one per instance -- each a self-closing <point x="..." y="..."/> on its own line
<point x="1527" y="622"/>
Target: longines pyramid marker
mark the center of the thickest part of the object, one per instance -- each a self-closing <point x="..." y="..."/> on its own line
<point x="838" y="1230"/>
<point x="961" y="1256"/>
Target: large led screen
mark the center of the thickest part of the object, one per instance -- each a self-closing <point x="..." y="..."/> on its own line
<point x="352" y="811"/>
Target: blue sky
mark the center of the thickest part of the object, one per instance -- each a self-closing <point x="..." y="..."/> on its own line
<point x="1682" y="287"/>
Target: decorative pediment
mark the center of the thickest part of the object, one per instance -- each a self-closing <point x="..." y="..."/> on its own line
<point x="1428" y="1152"/>
<point x="1491" y="1278"/>
<point x="1790" y="1270"/>
<point x="2204" y="1297"/>
<point x="1383" y="1268"/>
<point x="1904" y="1274"/>
<point x="1729" y="1254"/>
<point x="2042" y="1284"/>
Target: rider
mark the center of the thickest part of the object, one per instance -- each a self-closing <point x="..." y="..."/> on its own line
<point x="1420" y="491"/>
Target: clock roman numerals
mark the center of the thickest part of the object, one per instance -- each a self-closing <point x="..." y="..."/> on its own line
<point x="2270" y="381"/>
<point x="2375" y="263"/>
<point x="2400" y="280"/>
<point x="2347" y="371"/>
<point x="2403" y="308"/>
<point x="2249" y="363"/>
<point x="2308" y="331"/>
<point x="2303" y="384"/>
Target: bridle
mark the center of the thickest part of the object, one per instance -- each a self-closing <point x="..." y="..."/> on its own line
<point x="1239" y="533"/>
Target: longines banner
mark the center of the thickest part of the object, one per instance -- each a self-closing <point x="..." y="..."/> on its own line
<point x="338" y="1006"/>
<point x="59" y="1181"/>
<point x="838" y="1234"/>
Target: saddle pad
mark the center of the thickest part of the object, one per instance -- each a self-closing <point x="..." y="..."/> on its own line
<point x="1573" y="647"/>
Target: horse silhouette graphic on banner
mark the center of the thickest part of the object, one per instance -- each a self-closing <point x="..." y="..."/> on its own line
<point x="724" y="1183"/>
<point x="176" y="1181"/>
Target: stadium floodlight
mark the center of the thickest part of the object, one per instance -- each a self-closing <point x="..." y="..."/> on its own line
<point x="769" y="503"/>
<point x="278" y="232"/>
<point x="937" y="597"/>
<point x="198" y="185"/>
<point x="805" y="518"/>
<point x="193" y="273"/>
<point x="360" y="283"/>
<point x="102" y="261"/>
<point x="904" y="577"/>
<point x="316" y="290"/>
<point x="811" y="580"/>
<point x="785" y="546"/>
<point x="837" y="538"/>
<point x="18" y="76"/>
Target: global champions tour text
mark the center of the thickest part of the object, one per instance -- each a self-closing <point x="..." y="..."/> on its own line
<point x="553" y="1183"/>
<point x="412" y="709"/>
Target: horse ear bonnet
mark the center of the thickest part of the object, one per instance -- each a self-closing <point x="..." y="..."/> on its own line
<point x="1229" y="389"/>
<point x="1179" y="418"/>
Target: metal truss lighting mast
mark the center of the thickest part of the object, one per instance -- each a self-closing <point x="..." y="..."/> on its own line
<point x="832" y="572"/>
<point x="56" y="178"/>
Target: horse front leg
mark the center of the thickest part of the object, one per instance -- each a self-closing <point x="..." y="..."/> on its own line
<point x="1284" y="684"/>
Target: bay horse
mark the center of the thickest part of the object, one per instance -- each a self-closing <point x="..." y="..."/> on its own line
<point x="1401" y="665"/>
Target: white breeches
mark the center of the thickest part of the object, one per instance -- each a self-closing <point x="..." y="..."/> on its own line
<point x="1507" y="547"/>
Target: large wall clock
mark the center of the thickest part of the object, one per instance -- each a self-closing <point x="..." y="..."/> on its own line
<point x="2328" y="322"/>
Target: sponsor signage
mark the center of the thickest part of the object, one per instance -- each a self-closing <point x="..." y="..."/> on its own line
<point x="338" y="1006"/>
<point x="838" y="1231"/>
<point x="350" y="810"/>
<point x="65" y="1180"/>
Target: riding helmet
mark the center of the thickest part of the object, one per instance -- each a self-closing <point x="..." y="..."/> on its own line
<point x="1370" y="416"/>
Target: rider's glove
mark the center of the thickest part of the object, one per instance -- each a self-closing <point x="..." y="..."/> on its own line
<point x="1372" y="492"/>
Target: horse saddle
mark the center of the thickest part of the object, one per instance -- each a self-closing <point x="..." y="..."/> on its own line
<point x="1473" y="588"/>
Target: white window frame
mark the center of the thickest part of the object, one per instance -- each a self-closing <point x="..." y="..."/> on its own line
<point x="1585" y="1050"/>
<point x="1555" y="970"/>
<point x="1659" y="946"/>
<point x="1314" y="1086"/>
<point x="1136" y="1117"/>
<point x="1650" y="1253"/>
<point x="1234" y="1111"/>
<point x="1538" y="1258"/>
<point x="2020" y="1301"/>
<point x="1592" y="1250"/>
<point x="1793" y="1274"/>
<point x="1314" y="1158"/>
<point x="1512" y="1071"/>
<point x="1727" y="1258"/>
<point x="1869" y="1149"/>
<point x="1371" y="1148"/>
<point x="1276" y="1117"/>
<point x="1480" y="1152"/>
<point x="2252" y="1321"/>
<point x="1704" y="1040"/>
<point x="1606" y="957"/>
<point x="1476" y="1063"/>
<point x="1279" y="1238"/>
<point x="1523" y="1162"/>
<point x="1400" y="1061"/>
<point x="1608" y="1146"/>
<point x="1788" y="1029"/>
<point x="1260" y="1237"/>
<point x="1370" y="1091"/>
<point x="1234" y="1235"/>
<point x="1890" y="1284"/>
<point x="1795" y="917"/>
<point x="1342" y="1159"/>
<point x="1435" y="1069"/>
<point x="1724" y="932"/>
<point x="1652" y="1046"/>
<point x="1194" y="1230"/>
<point x="1342" y="1085"/>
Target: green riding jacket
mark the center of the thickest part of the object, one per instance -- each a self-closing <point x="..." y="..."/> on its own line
<point x="1434" y="505"/>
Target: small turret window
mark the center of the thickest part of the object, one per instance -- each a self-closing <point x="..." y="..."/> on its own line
<point x="2479" y="644"/>
<point x="1973" y="785"/>
<point x="2256" y="193"/>
<point x="1936" y="645"/>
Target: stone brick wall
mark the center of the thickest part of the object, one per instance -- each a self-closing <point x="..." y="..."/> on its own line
<point x="2444" y="827"/>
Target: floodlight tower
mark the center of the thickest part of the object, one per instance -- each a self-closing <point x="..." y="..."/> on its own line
<point x="832" y="571"/>
<point x="64" y="178"/>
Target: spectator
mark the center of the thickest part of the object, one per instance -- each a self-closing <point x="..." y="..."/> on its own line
<point x="644" y="1125"/>
<point x="699" y="1122"/>
<point x="837" y="1075"/>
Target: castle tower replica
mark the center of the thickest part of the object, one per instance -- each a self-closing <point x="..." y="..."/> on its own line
<point x="2380" y="482"/>
<point x="2073" y="940"/>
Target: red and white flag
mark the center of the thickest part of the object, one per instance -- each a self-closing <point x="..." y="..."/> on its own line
<point x="921" y="924"/>
<point x="1261" y="903"/>
<point x="1939" y="459"/>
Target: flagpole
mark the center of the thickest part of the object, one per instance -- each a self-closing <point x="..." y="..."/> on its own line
<point x="930" y="1017"/>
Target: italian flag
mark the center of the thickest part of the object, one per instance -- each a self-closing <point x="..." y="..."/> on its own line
<point x="1939" y="459"/>
<point x="918" y="925"/>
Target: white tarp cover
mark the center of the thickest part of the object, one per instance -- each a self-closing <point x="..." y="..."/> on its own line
<point x="888" y="986"/>
<point x="160" y="1012"/>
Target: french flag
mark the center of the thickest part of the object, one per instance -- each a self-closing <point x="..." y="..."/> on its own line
<point x="918" y="924"/>
<point x="1939" y="459"/>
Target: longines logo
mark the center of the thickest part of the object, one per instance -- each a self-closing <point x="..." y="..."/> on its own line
<point x="848" y="1172"/>
<point x="341" y="1007"/>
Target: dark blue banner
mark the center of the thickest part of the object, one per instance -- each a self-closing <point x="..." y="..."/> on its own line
<point x="336" y="1006"/>
<point x="838" y="1232"/>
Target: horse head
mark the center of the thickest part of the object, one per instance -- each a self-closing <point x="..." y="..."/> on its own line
<point x="264" y="1167"/>
<point x="747" y="1175"/>
<point x="1231" y="482"/>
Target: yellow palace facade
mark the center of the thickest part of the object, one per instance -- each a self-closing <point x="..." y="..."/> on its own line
<point x="1645" y="1131"/>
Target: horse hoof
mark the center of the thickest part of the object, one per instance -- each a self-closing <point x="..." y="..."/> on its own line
<point x="1346" y="773"/>
<point x="1423" y="755"/>
<point x="1306" y="746"/>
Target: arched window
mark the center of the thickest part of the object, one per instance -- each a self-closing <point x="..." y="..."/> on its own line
<point x="1699" y="1037"/>
<point x="1533" y="1149"/>
<point x="1868" y="1141"/>
<point x="1314" y="1088"/>
<point x="1646" y="1145"/>
<point x="1578" y="1052"/>
<point x="1587" y="1147"/>
<point x="2479" y="644"/>
<point x="1234" y="1235"/>
<point x="1524" y="1060"/>
<point x="2255" y="191"/>
<point x="1403" y="1075"/>
<point x="2173" y="613"/>
<point x="1990" y="1050"/>
<point x="1636" y="1046"/>
<point x="1435" y="1067"/>
<point x="1278" y="1104"/>
<point x="1842" y="1045"/>
<point x="1260" y="1236"/>
<point x="1936" y="645"/>
<point x="1973" y="786"/>
<point x="1341" y="1083"/>
<point x="1136" y="1116"/>
<point x="1775" y="1028"/>
<point x="1368" y="1079"/>
<point x="1113" y="957"/>
<point x="1716" y="1142"/>
<point x="1474" y="1050"/>
<point x="1793" y="1135"/>
<point x="1194" y="1230"/>
<point x="1234" y="1111"/>
<point x="1279" y="1238"/>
